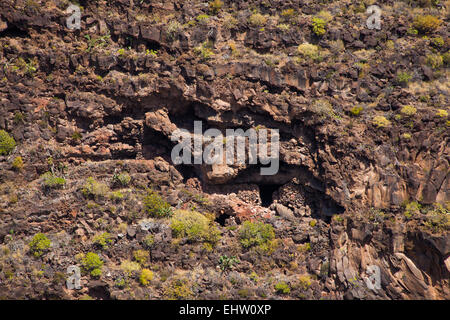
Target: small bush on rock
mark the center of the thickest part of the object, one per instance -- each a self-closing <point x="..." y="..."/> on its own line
<point x="7" y="143"/>
<point x="39" y="244"/>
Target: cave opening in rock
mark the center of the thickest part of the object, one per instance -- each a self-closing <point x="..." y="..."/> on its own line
<point x="222" y="219"/>
<point x="266" y="192"/>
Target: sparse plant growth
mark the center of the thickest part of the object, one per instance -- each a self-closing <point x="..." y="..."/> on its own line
<point x="7" y="143"/>
<point x="103" y="240"/>
<point x="426" y="24"/>
<point x="194" y="226"/>
<point x="403" y="77"/>
<point x="39" y="244"/>
<point x="141" y="256"/>
<point x="178" y="289"/>
<point x="17" y="163"/>
<point x="226" y="263"/>
<point x="435" y="61"/>
<point x="215" y="6"/>
<point x="92" y="264"/>
<point x="155" y="206"/>
<point x="318" y="26"/>
<point x="145" y="277"/>
<point x="257" y="20"/>
<point x="282" y="288"/>
<point x="408" y="110"/>
<point x="309" y="51"/>
<point x="51" y="181"/>
<point x="256" y="234"/>
<point x="381" y="122"/>
<point x="205" y="50"/>
<point x="94" y="189"/>
<point x="122" y="179"/>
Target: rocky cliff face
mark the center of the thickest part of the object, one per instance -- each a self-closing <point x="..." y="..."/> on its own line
<point x="359" y="207"/>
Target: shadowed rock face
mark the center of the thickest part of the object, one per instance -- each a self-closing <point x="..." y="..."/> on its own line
<point x="350" y="194"/>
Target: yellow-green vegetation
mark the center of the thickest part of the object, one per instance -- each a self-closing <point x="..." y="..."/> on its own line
<point x="446" y="58"/>
<point x="435" y="61"/>
<point x="282" y="287"/>
<point x="406" y="136"/>
<point x="51" y="181"/>
<point x="215" y="6"/>
<point x="7" y="143"/>
<point x="438" y="219"/>
<point x="17" y="163"/>
<point x="304" y="282"/>
<point x="122" y="179"/>
<point x="308" y="50"/>
<point x="116" y="196"/>
<point x="227" y="263"/>
<point x="256" y="234"/>
<point x="318" y="26"/>
<point x="257" y="19"/>
<point x="103" y="240"/>
<point x="437" y="42"/>
<point x="141" y="256"/>
<point x="313" y="223"/>
<point x="94" y="189"/>
<point x="356" y="111"/>
<point x="380" y="122"/>
<point x="408" y="110"/>
<point x="149" y="241"/>
<point x="173" y="27"/>
<point x="194" y="226"/>
<point x="412" y="209"/>
<point x="288" y="13"/>
<point x="92" y="264"/>
<point x="323" y="108"/>
<point x="145" y="277"/>
<point x="155" y="206"/>
<point x="442" y="113"/>
<point x="178" y="289"/>
<point x="205" y="50"/>
<point x="283" y="27"/>
<point x="403" y="77"/>
<point x="305" y="247"/>
<point x="426" y="24"/>
<point x="39" y="244"/>
<point x="129" y="267"/>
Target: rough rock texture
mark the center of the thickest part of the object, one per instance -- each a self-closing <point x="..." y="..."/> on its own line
<point x="105" y="99"/>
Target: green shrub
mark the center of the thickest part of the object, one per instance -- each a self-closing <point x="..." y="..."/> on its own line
<point x="435" y="61"/>
<point x="129" y="267"/>
<point x="39" y="244"/>
<point x="7" y="143"/>
<point x="408" y="110"/>
<point x="204" y="50"/>
<point x="437" y="42"/>
<point x="412" y="209"/>
<point x="381" y="122"/>
<point x="282" y="287"/>
<point x="51" y="181"/>
<point x="313" y="223"/>
<point x="141" y="256"/>
<point x="253" y="234"/>
<point x="403" y="77"/>
<point x="427" y="23"/>
<point x="442" y="113"/>
<point x="438" y="219"/>
<point x="308" y="50"/>
<point x="122" y="179"/>
<point x="94" y="189"/>
<point x="17" y="163"/>
<point x="227" y="263"/>
<point x="103" y="240"/>
<point x="257" y="20"/>
<point x="92" y="264"/>
<point x="318" y="26"/>
<point x="446" y="58"/>
<point x="215" y="6"/>
<point x="356" y="111"/>
<point x="194" y="226"/>
<point x="145" y="277"/>
<point x="155" y="206"/>
<point x="178" y="289"/>
<point x="304" y="282"/>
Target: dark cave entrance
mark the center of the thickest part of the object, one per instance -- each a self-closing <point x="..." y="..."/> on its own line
<point x="266" y="192"/>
